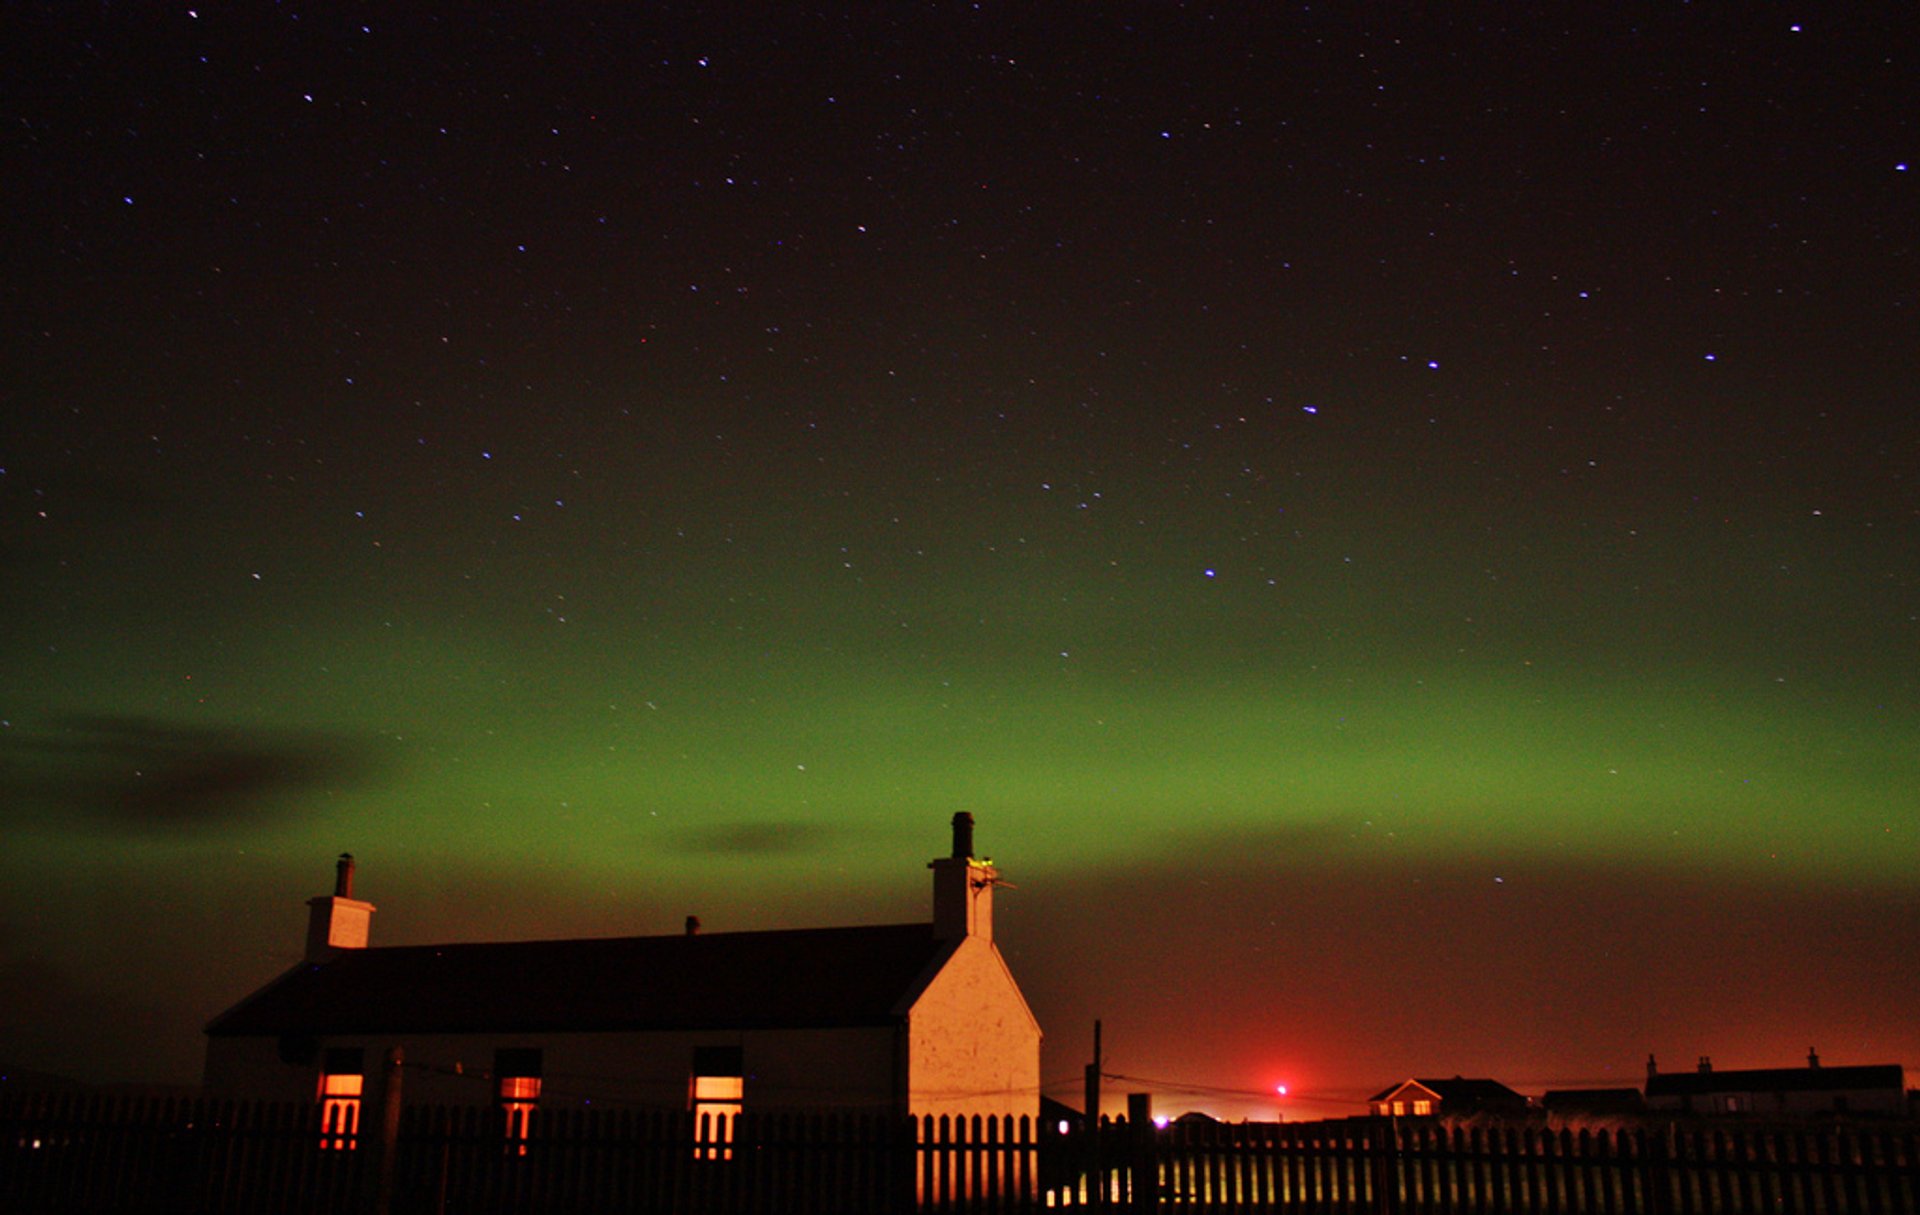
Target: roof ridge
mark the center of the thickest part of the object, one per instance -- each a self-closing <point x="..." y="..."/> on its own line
<point x="703" y="935"/>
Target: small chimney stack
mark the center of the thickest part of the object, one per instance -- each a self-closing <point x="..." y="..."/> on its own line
<point x="1653" y="1069"/>
<point x="1813" y="1060"/>
<point x="1706" y="1064"/>
<point x="337" y="921"/>
<point x="962" y="836"/>
<point x="693" y="925"/>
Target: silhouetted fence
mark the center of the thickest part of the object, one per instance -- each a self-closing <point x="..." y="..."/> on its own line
<point x="1433" y="1167"/>
<point x="83" y="1154"/>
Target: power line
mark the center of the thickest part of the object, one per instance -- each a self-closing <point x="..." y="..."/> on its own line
<point x="1194" y="1088"/>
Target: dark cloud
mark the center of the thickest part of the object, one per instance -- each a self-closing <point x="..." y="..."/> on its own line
<point x="766" y="838"/>
<point x="138" y="773"/>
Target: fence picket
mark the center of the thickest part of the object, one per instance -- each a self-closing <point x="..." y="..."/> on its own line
<point x="89" y="1152"/>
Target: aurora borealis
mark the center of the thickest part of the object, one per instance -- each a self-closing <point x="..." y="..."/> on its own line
<point x="1401" y="529"/>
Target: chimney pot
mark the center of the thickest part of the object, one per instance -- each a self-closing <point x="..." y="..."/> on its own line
<point x="1813" y="1059"/>
<point x="1653" y="1069"/>
<point x="1706" y="1063"/>
<point x="963" y="835"/>
<point x="693" y="925"/>
<point x="343" y="876"/>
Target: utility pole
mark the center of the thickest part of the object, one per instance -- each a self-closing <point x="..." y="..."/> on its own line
<point x="1096" y="1174"/>
<point x="379" y="1195"/>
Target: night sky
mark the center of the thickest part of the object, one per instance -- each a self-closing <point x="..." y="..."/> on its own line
<point x="1403" y="529"/>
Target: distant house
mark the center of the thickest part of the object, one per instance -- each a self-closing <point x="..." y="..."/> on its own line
<point x="922" y="1018"/>
<point x="1813" y="1089"/>
<point x="1432" y="1098"/>
<point x="1594" y="1101"/>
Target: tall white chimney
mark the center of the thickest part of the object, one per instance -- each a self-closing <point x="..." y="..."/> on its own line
<point x="962" y="888"/>
<point x="339" y="921"/>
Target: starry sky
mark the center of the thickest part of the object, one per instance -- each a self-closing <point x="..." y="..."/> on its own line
<point x="1401" y="527"/>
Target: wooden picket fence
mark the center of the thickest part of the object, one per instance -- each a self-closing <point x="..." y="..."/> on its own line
<point x="1434" y="1167"/>
<point x="76" y="1155"/>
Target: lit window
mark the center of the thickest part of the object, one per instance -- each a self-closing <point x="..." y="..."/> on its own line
<point x="1422" y="1108"/>
<point x="517" y="1076"/>
<point x="1399" y="1108"/>
<point x="343" y="1082"/>
<point x="719" y="1086"/>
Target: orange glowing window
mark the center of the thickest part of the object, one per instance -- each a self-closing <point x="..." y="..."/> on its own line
<point x="1399" y="1108"/>
<point x="517" y="1076"/>
<point x="717" y="1093"/>
<point x="1423" y="1108"/>
<point x="342" y="1084"/>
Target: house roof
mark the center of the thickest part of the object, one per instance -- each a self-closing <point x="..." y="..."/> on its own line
<point x="1458" y="1090"/>
<point x="1593" y="1100"/>
<point x="1777" y="1080"/>
<point x="806" y="978"/>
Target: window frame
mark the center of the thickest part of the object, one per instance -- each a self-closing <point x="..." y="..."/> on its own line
<point x="716" y="1096"/>
<point x="517" y="1083"/>
<point x="340" y="1089"/>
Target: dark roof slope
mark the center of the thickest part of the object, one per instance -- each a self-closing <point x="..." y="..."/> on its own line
<point x="1778" y="1080"/>
<point x="737" y="980"/>
<point x="1593" y="1101"/>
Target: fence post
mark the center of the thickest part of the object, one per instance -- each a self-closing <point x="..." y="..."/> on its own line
<point x="379" y="1193"/>
<point x="1656" y="1170"/>
<point x="1383" y="1146"/>
<point x="1142" y="1165"/>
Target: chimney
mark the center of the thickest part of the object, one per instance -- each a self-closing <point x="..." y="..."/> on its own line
<point x="338" y="921"/>
<point x="1813" y="1060"/>
<point x="963" y="888"/>
<point x="1706" y="1064"/>
<point x="1653" y="1069"/>
<point x="963" y="835"/>
<point x="693" y="925"/>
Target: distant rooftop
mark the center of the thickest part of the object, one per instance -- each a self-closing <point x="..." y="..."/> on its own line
<point x="1776" y="1080"/>
<point x="1459" y="1090"/>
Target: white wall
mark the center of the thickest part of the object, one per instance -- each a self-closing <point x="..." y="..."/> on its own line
<point x="845" y="1069"/>
<point x="1809" y="1101"/>
<point x="974" y="1046"/>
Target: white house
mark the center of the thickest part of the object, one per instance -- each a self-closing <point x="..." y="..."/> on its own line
<point x="1415" y="1098"/>
<point x="922" y="1018"/>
